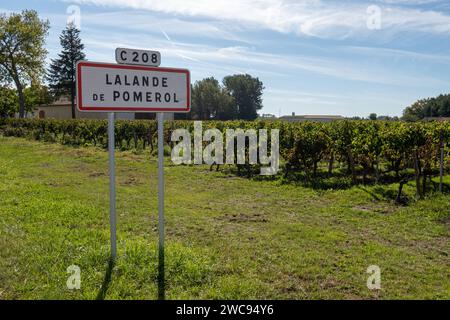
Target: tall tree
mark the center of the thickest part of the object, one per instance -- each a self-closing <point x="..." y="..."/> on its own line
<point x="247" y="92"/>
<point x="22" y="52"/>
<point x="211" y="101"/>
<point x="62" y="71"/>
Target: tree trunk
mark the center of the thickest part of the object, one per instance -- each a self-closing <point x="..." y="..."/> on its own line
<point x="364" y="175"/>
<point x="377" y="171"/>
<point x="286" y="170"/>
<point x="15" y="76"/>
<point x="417" y="173"/>
<point x="351" y="163"/>
<point x="150" y="142"/>
<point x="330" y="164"/>
<point x="21" y="101"/>
<point x="424" y="181"/>
<point x="397" y="165"/>
<point x="400" y="188"/>
<point x="21" y="97"/>
<point x="135" y="140"/>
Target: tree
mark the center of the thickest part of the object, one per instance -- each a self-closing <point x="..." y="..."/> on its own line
<point x="61" y="75"/>
<point x="211" y="101"/>
<point x="430" y="107"/>
<point x="226" y="108"/>
<point x="36" y="95"/>
<point x="8" y="102"/>
<point x="22" y="39"/>
<point x="247" y="93"/>
<point x="373" y="116"/>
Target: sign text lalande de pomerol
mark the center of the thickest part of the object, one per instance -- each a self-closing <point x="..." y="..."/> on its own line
<point x="106" y="87"/>
<point x="152" y="83"/>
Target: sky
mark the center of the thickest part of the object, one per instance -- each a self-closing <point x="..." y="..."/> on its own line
<point x="346" y="57"/>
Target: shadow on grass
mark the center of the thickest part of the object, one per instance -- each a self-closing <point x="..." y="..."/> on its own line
<point x="380" y="193"/>
<point x="106" y="280"/>
<point x="339" y="179"/>
<point x="161" y="275"/>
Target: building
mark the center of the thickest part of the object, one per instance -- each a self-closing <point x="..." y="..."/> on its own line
<point x="267" y="116"/>
<point x="316" y="118"/>
<point x="62" y="109"/>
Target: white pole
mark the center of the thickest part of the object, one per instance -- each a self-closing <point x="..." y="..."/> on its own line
<point x="112" y="186"/>
<point x="161" y="289"/>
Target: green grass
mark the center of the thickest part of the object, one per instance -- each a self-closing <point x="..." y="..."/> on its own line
<point x="227" y="237"/>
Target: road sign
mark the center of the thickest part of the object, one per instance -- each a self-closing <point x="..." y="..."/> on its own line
<point x="138" y="57"/>
<point x="103" y="87"/>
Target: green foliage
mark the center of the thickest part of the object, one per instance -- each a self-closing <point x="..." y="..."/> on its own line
<point x="36" y="95"/>
<point x="240" y="97"/>
<point x="247" y="93"/>
<point x="62" y="71"/>
<point x="310" y="146"/>
<point x="372" y="150"/>
<point x="431" y="107"/>
<point x="8" y="102"/>
<point x="210" y="101"/>
<point x="22" y="39"/>
<point x="367" y="145"/>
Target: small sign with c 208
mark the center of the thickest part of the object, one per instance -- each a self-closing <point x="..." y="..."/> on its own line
<point x="138" y="57"/>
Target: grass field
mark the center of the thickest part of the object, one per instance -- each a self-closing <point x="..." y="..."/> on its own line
<point x="227" y="237"/>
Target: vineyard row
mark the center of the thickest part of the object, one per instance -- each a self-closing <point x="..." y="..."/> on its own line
<point x="366" y="149"/>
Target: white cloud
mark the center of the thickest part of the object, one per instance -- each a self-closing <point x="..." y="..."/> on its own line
<point x="151" y="23"/>
<point x="396" y="53"/>
<point x="308" y="17"/>
<point x="242" y="59"/>
<point x="410" y="2"/>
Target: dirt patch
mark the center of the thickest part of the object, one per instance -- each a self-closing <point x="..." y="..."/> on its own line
<point x="329" y="283"/>
<point x="79" y="167"/>
<point x="53" y="184"/>
<point x="56" y="184"/>
<point x="131" y="181"/>
<point x="96" y="174"/>
<point x="375" y="209"/>
<point x="132" y="156"/>
<point x="294" y="286"/>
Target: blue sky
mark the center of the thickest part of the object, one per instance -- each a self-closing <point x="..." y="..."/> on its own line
<point x="344" y="57"/>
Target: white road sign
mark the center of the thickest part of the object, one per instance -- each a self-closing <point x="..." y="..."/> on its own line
<point x="138" y="57"/>
<point x="121" y="88"/>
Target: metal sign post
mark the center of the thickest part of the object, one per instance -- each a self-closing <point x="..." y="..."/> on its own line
<point x="161" y="287"/>
<point x="112" y="186"/>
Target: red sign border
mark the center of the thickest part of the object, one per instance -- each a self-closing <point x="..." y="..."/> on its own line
<point x="83" y="108"/>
